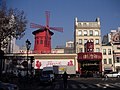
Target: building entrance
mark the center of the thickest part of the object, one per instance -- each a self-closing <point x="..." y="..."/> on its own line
<point x="90" y="65"/>
<point x="90" y="62"/>
<point x="90" y="68"/>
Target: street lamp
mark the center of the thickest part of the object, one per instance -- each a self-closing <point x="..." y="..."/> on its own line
<point x="28" y="45"/>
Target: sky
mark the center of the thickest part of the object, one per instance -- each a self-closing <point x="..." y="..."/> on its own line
<point x="63" y="13"/>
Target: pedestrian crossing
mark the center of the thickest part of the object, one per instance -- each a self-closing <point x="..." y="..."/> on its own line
<point x="73" y="86"/>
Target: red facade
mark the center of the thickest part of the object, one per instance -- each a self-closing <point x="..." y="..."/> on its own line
<point x="42" y="43"/>
<point x="89" y="46"/>
<point x="90" y="56"/>
<point x="89" y="61"/>
<point x="43" y="36"/>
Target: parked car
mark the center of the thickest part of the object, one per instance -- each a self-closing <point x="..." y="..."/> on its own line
<point x="8" y="86"/>
<point x="113" y="74"/>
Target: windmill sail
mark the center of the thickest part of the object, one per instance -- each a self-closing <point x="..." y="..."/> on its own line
<point x="47" y="33"/>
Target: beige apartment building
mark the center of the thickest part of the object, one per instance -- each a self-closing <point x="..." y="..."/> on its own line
<point x="108" y="64"/>
<point x="87" y="30"/>
<point x="87" y="44"/>
<point x="114" y="38"/>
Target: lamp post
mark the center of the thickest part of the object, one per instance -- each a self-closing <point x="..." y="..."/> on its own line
<point x="28" y="45"/>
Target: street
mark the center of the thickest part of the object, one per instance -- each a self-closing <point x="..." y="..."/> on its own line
<point x="80" y="84"/>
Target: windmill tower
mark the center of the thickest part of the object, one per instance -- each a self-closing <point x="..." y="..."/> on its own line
<point x="42" y="43"/>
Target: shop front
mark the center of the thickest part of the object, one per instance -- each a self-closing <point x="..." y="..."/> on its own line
<point x="89" y="63"/>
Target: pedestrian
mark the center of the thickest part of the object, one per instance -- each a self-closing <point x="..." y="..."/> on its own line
<point x="65" y="77"/>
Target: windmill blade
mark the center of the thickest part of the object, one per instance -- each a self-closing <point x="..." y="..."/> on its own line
<point x="47" y="38"/>
<point x="47" y="18"/>
<point x="59" y="29"/>
<point x="33" y="25"/>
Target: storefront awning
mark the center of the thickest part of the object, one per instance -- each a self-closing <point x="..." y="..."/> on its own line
<point x="90" y="56"/>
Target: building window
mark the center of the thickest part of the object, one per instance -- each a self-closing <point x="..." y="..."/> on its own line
<point x="117" y="59"/>
<point x="79" y="33"/>
<point x="85" y="33"/>
<point x="97" y="49"/>
<point x="41" y="41"/>
<point x="96" y="33"/>
<point x="104" y="51"/>
<point x="81" y="49"/>
<point x="85" y="41"/>
<point x="84" y="24"/>
<point x="77" y="43"/>
<point x="110" y="61"/>
<point x="80" y="41"/>
<point x="80" y="24"/>
<point x="109" y="51"/>
<point x="105" y="61"/>
<point x="97" y="41"/>
<point x="69" y="45"/>
<point x="91" y="33"/>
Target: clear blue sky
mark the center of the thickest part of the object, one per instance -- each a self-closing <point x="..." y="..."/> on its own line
<point x="62" y="14"/>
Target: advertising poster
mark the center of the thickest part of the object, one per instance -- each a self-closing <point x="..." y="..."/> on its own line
<point x="39" y="64"/>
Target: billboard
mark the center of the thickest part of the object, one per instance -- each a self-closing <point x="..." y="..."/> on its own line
<point x="39" y="64"/>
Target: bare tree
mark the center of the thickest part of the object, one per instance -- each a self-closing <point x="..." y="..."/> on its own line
<point x="12" y="24"/>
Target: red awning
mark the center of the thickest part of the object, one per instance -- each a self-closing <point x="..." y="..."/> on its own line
<point x="90" y="56"/>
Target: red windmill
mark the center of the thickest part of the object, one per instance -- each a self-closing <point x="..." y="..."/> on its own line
<point x="43" y="35"/>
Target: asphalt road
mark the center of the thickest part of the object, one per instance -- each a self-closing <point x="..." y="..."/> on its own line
<point x="80" y="84"/>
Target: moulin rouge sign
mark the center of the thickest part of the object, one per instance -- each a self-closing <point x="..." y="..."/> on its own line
<point x="90" y="56"/>
<point x="39" y="64"/>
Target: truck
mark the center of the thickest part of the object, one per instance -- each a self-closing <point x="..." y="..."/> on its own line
<point x="59" y="70"/>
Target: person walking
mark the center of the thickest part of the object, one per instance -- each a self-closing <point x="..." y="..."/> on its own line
<point x="65" y="77"/>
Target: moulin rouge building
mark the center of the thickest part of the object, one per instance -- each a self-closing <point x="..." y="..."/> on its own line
<point x="87" y="42"/>
<point x="87" y="45"/>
